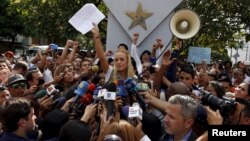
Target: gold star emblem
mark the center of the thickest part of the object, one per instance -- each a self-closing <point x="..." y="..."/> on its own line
<point x="138" y="17"/>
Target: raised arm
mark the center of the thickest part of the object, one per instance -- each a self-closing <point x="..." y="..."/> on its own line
<point x="134" y="53"/>
<point x="65" y="51"/>
<point x="166" y="62"/>
<point x="72" y="53"/>
<point x="99" y="48"/>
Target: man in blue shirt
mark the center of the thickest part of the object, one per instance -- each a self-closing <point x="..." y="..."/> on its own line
<point x="181" y="111"/>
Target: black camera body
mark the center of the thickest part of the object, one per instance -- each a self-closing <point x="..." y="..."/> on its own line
<point x="225" y="105"/>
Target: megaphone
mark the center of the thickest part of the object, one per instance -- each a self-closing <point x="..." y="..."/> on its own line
<point x="184" y="24"/>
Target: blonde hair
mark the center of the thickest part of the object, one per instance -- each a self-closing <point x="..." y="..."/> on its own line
<point x="130" y="69"/>
<point x="123" y="129"/>
<point x="61" y="68"/>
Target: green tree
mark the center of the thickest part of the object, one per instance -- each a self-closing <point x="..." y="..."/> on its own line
<point x="11" y="23"/>
<point x="224" y="23"/>
<point x="49" y="19"/>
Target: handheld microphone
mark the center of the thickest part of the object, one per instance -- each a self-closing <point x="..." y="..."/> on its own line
<point x="80" y="91"/>
<point x="51" y="90"/>
<point x="95" y="68"/>
<point x="131" y="86"/>
<point x="121" y="90"/>
<point x="111" y="87"/>
<point x="95" y="94"/>
<point x="83" y="101"/>
<point x="91" y="87"/>
<point x="135" y="112"/>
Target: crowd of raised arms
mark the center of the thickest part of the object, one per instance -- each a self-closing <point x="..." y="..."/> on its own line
<point x="104" y="95"/>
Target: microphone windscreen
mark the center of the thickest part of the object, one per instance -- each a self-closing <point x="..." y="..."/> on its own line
<point x="121" y="82"/>
<point x="82" y="88"/>
<point x="69" y="93"/>
<point x="91" y="87"/>
<point x="111" y="87"/>
<point x="95" y="68"/>
<point x="96" y="91"/>
<point x="40" y="94"/>
<point x="87" y="99"/>
<point x="60" y="102"/>
<point x="121" y="91"/>
<point x="125" y="111"/>
<point x="130" y="84"/>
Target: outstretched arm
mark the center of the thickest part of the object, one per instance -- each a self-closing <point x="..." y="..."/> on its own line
<point x="134" y="53"/>
<point x="99" y="48"/>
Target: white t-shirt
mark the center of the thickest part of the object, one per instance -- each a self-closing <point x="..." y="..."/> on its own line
<point x="108" y="74"/>
<point x="47" y="75"/>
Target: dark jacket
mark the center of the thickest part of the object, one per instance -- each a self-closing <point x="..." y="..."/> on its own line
<point x="12" y="137"/>
<point x="192" y="137"/>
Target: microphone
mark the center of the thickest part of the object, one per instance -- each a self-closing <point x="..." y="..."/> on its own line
<point x="109" y="96"/>
<point x="84" y="100"/>
<point x="95" y="68"/>
<point x="70" y="92"/>
<point x="131" y="86"/>
<point x="51" y="90"/>
<point x="135" y="112"/>
<point x="121" y="90"/>
<point x="124" y="112"/>
<point x="80" y="91"/>
<point x="95" y="94"/>
<point x="91" y="87"/>
<point x="60" y="102"/>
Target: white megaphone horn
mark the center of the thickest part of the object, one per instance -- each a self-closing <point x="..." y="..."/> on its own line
<point x="185" y="24"/>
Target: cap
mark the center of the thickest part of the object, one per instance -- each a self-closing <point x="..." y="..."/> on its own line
<point x="53" y="46"/>
<point x="15" y="78"/>
<point x="10" y="53"/>
<point x="2" y="88"/>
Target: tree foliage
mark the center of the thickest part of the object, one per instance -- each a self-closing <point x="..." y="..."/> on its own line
<point x="11" y="22"/>
<point x="224" y="22"/>
<point x="49" y="18"/>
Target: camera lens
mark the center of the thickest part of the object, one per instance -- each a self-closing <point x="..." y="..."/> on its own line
<point x="226" y="106"/>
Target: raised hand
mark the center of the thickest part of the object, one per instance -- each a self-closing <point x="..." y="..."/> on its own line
<point x="95" y="31"/>
<point x="135" y="38"/>
<point x="75" y="44"/>
<point x="166" y="58"/>
<point x="69" y="43"/>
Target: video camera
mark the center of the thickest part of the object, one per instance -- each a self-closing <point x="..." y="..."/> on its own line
<point x="225" y="105"/>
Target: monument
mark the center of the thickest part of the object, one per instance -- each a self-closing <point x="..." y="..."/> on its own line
<point x="149" y="18"/>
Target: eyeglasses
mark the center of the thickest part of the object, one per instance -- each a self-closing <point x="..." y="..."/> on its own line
<point x="18" y="85"/>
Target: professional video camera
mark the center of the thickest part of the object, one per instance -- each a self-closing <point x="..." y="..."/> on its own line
<point x="225" y="105"/>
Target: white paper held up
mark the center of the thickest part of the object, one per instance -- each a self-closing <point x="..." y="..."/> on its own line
<point x="83" y="19"/>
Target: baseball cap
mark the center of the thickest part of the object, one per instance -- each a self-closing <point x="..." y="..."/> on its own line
<point x="2" y="88"/>
<point x="15" y="78"/>
<point x="10" y="53"/>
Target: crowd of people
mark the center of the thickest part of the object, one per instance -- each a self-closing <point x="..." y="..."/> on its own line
<point x="45" y="98"/>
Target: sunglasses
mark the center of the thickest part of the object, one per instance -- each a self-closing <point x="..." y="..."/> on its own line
<point x="17" y="85"/>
